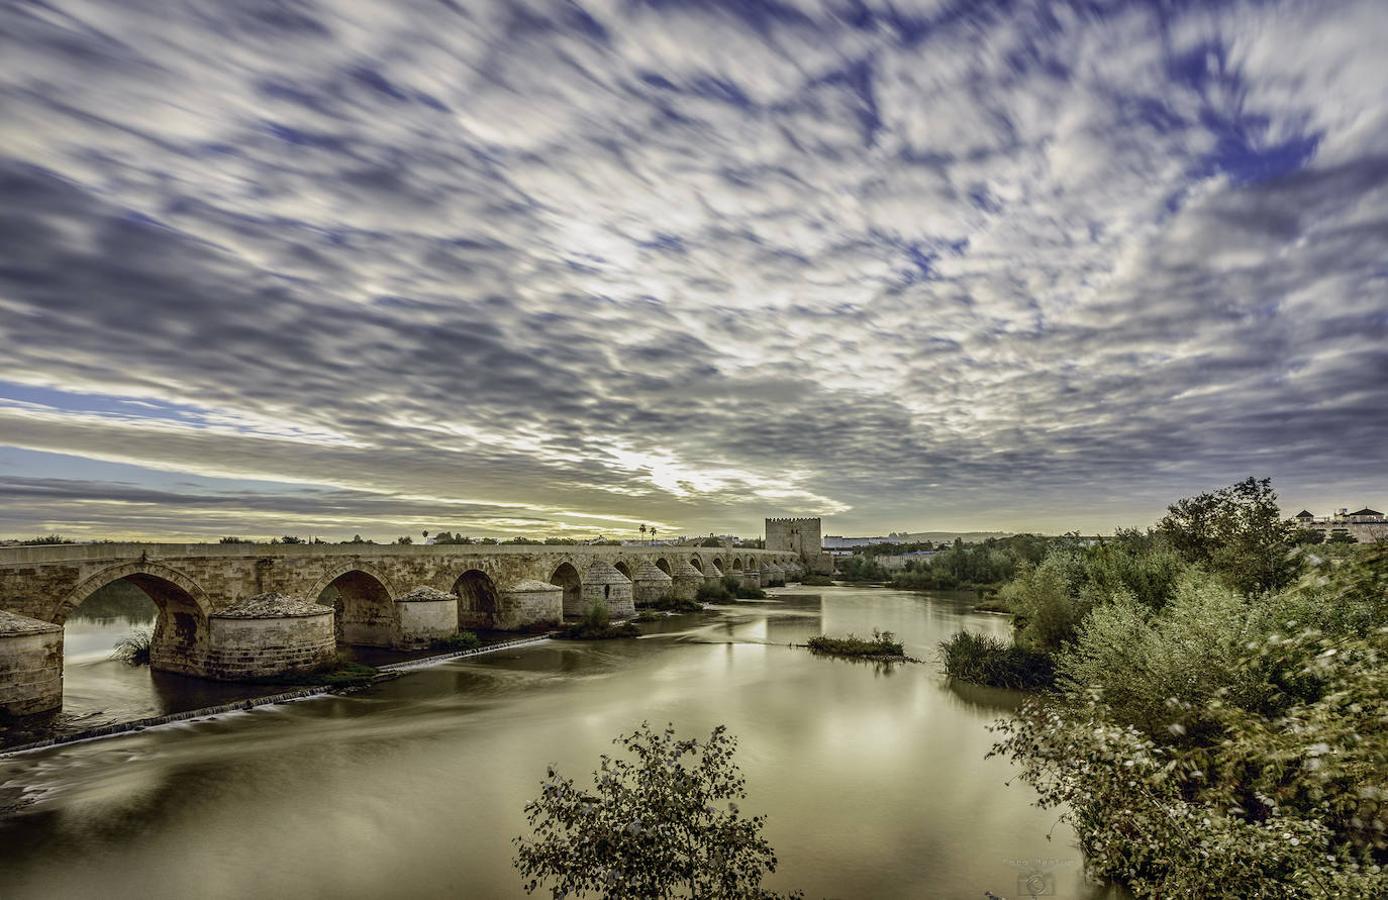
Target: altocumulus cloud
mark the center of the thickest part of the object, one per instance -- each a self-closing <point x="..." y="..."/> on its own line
<point x="534" y="267"/>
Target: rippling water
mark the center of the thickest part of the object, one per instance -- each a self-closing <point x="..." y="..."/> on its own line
<point x="874" y="781"/>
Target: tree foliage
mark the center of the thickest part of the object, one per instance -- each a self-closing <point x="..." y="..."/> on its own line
<point x="1225" y="745"/>
<point x="1238" y="532"/>
<point x="862" y="568"/>
<point x="660" y="822"/>
<point x="1229" y="802"/>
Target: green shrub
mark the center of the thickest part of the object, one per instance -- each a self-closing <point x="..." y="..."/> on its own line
<point x="1238" y="533"/>
<point x="339" y="672"/>
<point x="816" y="581"/>
<point x="660" y="821"/>
<point x="1221" y="722"/>
<point x="134" y="648"/>
<point x="923" y="579"/>
<point x="1047" y="601"/>
<point x="993" y="603"/>
<point x="463" y="640"/>
<point x="882" y="644"/>
<point x="713" y="592"/>
<point x="862" y="568"/>
<point x="1139" y="661"/>
<point x="983" y="659"/>
<point x="671" y="604"/>
<point x="1228" y="801"/>
<point x="727" y="589"/>
<point x="962" y="565"/>
<point x="1144" y="567"/>
<point x="597" y="625"/>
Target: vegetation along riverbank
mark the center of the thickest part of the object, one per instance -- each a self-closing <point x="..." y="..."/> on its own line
<point x="1214" y="712"/>
<point x="882" y="645"/>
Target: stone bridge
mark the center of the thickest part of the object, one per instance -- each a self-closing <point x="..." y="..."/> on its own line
<point x="239" y="611"/>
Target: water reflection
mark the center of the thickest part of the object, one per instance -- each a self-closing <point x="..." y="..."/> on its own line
<point x="100" y="690"/>
<point x="874" y="786"/>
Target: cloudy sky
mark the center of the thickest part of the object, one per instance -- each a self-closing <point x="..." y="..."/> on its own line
<point x="328" y="267"/>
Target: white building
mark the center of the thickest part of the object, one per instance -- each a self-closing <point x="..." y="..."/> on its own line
<point x="1365" y="525"/>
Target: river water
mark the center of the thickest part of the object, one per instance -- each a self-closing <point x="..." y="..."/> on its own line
<point x="874" y="781"/>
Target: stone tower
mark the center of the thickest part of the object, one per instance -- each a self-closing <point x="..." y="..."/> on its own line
<point x="801" y="537"/>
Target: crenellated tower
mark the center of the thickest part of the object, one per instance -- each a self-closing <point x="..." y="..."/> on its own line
<point x="801" y="537"/>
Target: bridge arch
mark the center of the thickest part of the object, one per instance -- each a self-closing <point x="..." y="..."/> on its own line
<point x="663" y="565"/>
<point x="622" y="566"/>
<point x="179" y="641"/>
<point x="477" y="599"/>
<point x="737" y="564"/>
<point x="94" y="583"/>
<point x="337" y="571"/>
<point x="566" y="576"/>
<point x="718" y="563"/>
<point x="696" y="562"/>
<point x="363" y="603"/>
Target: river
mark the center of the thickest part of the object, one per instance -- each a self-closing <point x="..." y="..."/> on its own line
<point x="874" y="780"/>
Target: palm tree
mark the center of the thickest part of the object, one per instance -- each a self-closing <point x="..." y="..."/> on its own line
<point x="643" y="531"/>
<point x="652" y="534"/>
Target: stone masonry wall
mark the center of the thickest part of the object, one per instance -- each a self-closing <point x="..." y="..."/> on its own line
<point x="31" y="672"/>
<point x="530" y="603"/>
<point x="424" y="621"/>
<point x="254" y="648"/>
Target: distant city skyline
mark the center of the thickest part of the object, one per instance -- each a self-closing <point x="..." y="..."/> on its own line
<point x="573" y="268"/>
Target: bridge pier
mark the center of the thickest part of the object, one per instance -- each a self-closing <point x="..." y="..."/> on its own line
<point x="604" y="584"/>
<point x="268" y="635"/>
<point x="529" y="603"/>
<point x="425" y="615"/>
<point x="31" y="665"/>
<point x="649" y="584"/>
<point x="685" y="580"/>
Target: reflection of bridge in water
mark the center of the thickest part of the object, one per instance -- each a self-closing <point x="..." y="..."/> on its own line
<point x="239" y="611"/>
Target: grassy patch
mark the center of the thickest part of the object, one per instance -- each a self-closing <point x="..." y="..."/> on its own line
<point x="463" y="640"/>
<point x="817" y="581"/>
<point x="581" y="631"/>
<point x="133" y="649"/>
<point x="714" y="592"/>
<point x="883" y="645"/>
<point x="597" y="625"/>
<point x="983" y="659"/>
<point x="341" y="672"/>
<point x="994" y="604"/>
<point x="729" y="588"/>
<point x="670" y="604"/>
